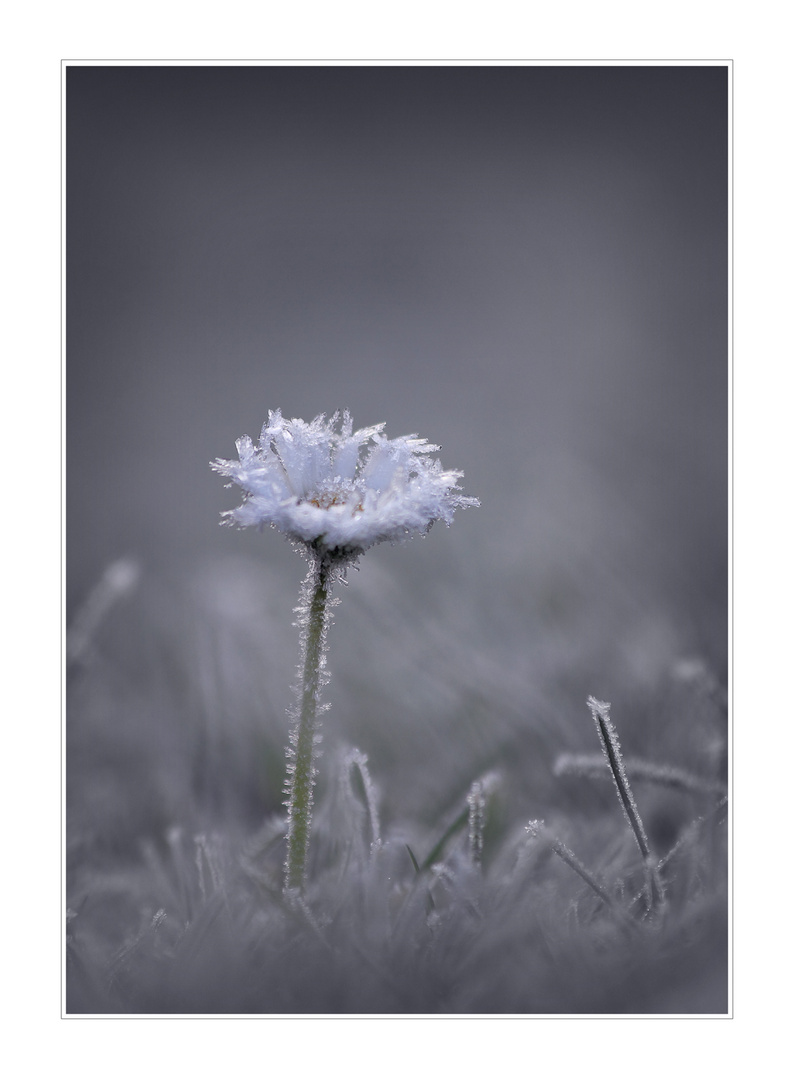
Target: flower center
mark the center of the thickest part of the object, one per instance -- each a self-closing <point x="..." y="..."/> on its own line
<point x="336" y="496"/>
<point x="326" y="500"/>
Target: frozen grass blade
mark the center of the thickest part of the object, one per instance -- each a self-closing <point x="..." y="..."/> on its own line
<point x="611" y="747"/>
<point x="479" y="797"/>
<point x="357" y="765"/>
<point x="414" y="863"/>
<point x="538" y="830"/>
<point x="663" y="775"/>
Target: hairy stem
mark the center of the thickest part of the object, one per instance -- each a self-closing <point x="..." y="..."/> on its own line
<point x="300" y="784"/>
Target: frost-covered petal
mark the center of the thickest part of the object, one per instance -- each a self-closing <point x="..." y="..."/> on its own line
<point x="339" y="491"/>
<point x="381" y="466"/>
<point x="253" y="474"/>
<point x="345" y="462"/>
<point x="302" y="450"/>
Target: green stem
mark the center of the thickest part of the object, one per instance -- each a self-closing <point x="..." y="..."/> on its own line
<point x="301" y="782"/>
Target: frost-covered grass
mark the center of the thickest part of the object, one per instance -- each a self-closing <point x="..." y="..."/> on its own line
<point x="469" y="851"/>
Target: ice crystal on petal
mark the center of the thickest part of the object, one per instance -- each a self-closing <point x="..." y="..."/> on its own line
<point x="338" y="491"/>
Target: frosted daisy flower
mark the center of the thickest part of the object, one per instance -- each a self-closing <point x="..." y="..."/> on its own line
<point x="334" y="492"/>
<point x="339" y="491"/>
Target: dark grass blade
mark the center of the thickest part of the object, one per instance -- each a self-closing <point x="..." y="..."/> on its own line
<point x="611" y="747"/>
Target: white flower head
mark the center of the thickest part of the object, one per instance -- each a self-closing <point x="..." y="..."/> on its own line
<point x="338" y="491"/>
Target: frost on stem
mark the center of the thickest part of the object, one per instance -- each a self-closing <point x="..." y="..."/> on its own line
<point x="314" y="616"/>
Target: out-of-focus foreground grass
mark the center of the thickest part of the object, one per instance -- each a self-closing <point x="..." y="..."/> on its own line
<point x="175" y="765"/>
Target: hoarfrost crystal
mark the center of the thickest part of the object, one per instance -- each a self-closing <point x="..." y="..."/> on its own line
<point x="340" y="491"/>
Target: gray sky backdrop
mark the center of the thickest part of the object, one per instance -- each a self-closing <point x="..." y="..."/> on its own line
<point x="527" y="265"/>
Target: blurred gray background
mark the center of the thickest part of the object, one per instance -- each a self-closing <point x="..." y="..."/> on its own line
<point x="527" y="265"/>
